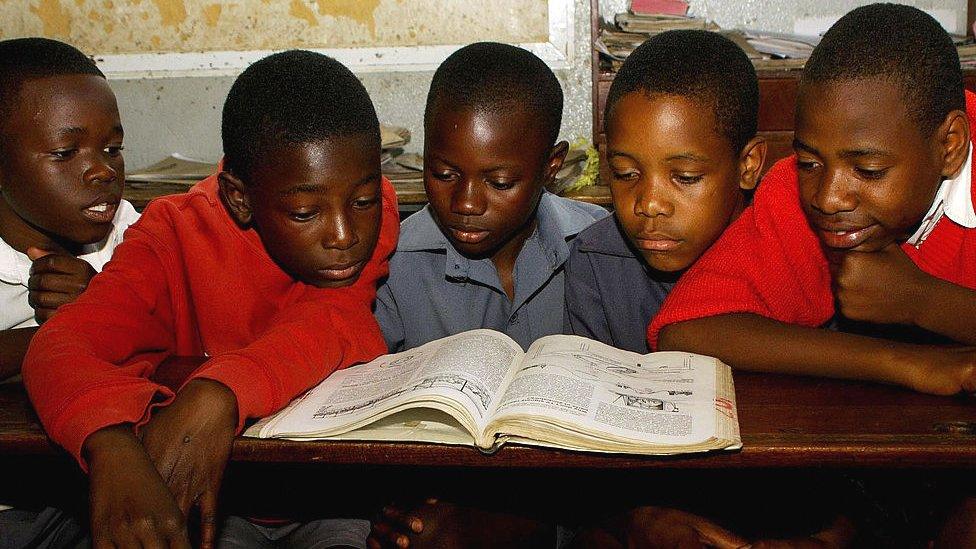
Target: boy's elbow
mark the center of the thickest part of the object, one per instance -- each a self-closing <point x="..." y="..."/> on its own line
<point x="688" y="336"/>
<point x="669" y="337"/>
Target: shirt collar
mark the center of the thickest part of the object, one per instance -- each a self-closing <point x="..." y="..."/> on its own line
<point x="14" y="266"/>
<point x="954" y="200"/>
<point x="557" y="220"/>
<point x="605" y="237"/>
<point x="959" y="196"/>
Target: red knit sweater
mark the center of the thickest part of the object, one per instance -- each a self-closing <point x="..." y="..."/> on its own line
<point x="770" y="263"/>
<point x="188" y="281"/>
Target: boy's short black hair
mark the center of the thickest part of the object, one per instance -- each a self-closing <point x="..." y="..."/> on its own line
<point x="23" y="59"/>
<point x="698" y="64"/>
<point x="899" y="43"/>
<point x="290" y="98"/>
<point x="493" y="77"/>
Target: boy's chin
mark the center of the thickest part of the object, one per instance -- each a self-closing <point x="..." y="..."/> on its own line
<point x="665" y="264"/>
<point x="319" y="281"/>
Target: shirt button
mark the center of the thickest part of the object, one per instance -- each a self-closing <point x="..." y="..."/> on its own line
<point x="513" y="319"/>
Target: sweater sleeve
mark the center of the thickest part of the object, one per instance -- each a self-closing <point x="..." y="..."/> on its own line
<point x="768" y="262"/>
<point x="324" y="330"/>
<point x="80" y="374"/>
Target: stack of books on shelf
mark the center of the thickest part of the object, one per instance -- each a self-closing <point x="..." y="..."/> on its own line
<point x="768" y="51"/>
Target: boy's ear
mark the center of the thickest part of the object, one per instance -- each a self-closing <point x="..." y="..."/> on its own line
<point x="556" y="158"/>
<point x="751" y="161"/>
<point x="234" y="198"/>
<point x="953" y="140"/>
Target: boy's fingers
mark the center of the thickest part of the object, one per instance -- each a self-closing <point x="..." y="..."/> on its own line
<point x="388" y="536"/>
<point x="52" y="281"/>
<point x="180" y="541"/>
<point x="34" y="253"/>
<point x="403" y="520"/>
<point x="42" y="299"/>
<point x="208" y="518"/>
<point x="716" y="536"/>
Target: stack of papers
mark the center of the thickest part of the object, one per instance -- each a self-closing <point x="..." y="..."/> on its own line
<point x="177" y="170"/>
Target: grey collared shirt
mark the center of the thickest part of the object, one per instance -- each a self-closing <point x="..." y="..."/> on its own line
<point x="433" y="291"/>
<point x="611" y="294"/>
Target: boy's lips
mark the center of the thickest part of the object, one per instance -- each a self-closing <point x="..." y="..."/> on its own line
<point x="844" y="237"/>
<point x="656" y="242"/>
<point x="341" y="272"/>
<point x="101" y="211"/>
<point x="468" y="235"/>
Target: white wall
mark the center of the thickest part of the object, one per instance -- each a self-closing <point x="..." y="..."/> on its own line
<point x="165" y="115"/>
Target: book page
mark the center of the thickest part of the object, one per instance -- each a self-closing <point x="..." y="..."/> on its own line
<point x="462" y="373"/>
<point x="592" y="388"/>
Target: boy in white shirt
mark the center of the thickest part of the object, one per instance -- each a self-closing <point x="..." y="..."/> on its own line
<point x="61" y="180"/>
<point x="61" y="214"/>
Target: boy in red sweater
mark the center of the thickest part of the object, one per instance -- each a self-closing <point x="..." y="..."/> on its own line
<point x="871" y="219"/>
<point x="268" y="268"/>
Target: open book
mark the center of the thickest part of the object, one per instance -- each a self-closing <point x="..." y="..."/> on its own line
<point x="479" y="389"/>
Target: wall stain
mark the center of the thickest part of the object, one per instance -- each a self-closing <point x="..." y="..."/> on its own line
<point x="360" y="11"/>
<point x="211" y="14"/>
<point x="172" y="12"/>
<point x="56" y="21"/>
<point x="299" y="10"/>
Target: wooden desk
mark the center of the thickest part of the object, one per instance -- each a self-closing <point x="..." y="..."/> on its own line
<point x="786" y="422"/>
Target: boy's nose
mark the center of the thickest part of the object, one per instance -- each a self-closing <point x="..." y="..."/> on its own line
<point x="467" y="199"/>
<point x="835" y="193"/>
<point x="653" y="200"/>
<point x="101" y="172"/>
<point x="340" y="235"/>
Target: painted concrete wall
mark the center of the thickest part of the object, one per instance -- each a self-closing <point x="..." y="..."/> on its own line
<point x="168" y="115"/>
<point x="140" y="26"/>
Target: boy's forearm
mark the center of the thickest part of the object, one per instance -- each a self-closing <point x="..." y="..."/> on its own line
<point x="755" y="343"/>
<point x="13" y="347"/>
<point x="113" y="439"/>
<point x="950" y="310"/>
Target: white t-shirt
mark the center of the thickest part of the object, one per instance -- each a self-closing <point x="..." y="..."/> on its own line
<point x="15" y="270"/>
<point x="953" y="200"/>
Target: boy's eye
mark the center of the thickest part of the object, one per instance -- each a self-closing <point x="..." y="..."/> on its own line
<point x="626" y="176"/>
<point x="444" y="176"/>
<point x="688" y="179"/>
<point x="871" y="173"/>
<point x="501" y="185"/>
<point x="302" y="216"/>
<point x="114" y="150"/>
<point x="365" y="202"/>
<point x="63" y="154"/>
<point x="806" y="165"/>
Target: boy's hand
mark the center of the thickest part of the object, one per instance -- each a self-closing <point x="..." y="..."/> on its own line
<point x="649" y="527"/>
<point x="940" y="370"/>
<point x="839" y="534"/>
<point x="189" y="441"/>
<point x="55" y="279"/>
<point x="884" y="287"/>
<point x="130" y="505"/>
<point x="394" y="527"/>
